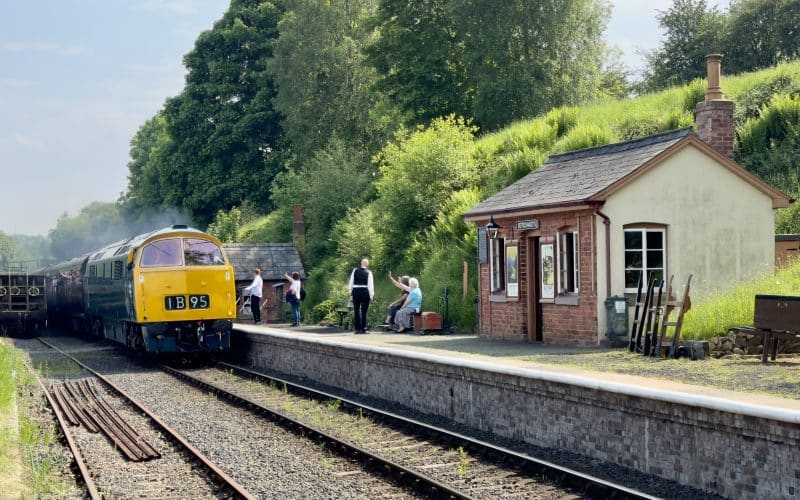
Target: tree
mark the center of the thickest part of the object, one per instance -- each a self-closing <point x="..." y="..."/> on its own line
<point x="421" y="58"/>
<point x="224" y="131"/>
<point x="493" y="60"/>
<point x="338" y="178"/>
<point x="527" y="57"/>
<point x="8" y="250"/>
<point x="692" y="30"/>
<point x="325" y="87"/>
<point x="146" y="176"/>
<point x="419" y="172"/>
<point x="762" y="33"/>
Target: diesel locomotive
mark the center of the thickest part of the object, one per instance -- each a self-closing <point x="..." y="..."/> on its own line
<point x="168" y="291"/>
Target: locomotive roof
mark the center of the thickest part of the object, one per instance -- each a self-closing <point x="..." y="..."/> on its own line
<point x="123" y="246"/>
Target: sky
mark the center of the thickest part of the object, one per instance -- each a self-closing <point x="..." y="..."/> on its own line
<point x="79" y="77"/>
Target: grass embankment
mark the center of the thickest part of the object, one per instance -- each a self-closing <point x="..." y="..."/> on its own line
<point x="28" y="464"/>
<point x="713" y="315"/>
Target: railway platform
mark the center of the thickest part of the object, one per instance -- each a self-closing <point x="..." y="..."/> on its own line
<point x="727" y="442"/>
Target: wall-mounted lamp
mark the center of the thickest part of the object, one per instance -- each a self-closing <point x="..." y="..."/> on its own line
<point x="492" y="228"/>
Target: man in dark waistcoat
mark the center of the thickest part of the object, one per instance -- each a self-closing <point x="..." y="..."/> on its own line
<point x="362" y="291"/>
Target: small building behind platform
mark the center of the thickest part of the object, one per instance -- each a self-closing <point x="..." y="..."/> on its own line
<point x="787" y="248"/>
<point x="583" y="228"/>
<point x="275" y="260"/>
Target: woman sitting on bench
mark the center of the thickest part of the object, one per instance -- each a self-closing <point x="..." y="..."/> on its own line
<point x="391" y="310"/>
<point x="411" y="305"/>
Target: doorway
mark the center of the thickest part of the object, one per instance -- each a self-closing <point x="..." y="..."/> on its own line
<point x="534" y="279"/>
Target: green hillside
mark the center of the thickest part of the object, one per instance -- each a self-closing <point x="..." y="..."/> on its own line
<point x="428" y="176"/>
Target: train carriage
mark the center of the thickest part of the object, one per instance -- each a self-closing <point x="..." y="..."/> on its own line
<point x="169" y="291"/>
<point x="23" y="307"/>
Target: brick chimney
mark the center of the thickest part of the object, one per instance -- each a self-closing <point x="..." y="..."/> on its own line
<point x="714" y="115"/>
<point x="299" y="231"/>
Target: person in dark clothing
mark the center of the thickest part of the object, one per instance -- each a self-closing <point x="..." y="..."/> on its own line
<point x="362" y="291"/>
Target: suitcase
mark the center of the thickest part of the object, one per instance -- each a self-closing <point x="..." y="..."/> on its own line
<point x="428" y="320"/>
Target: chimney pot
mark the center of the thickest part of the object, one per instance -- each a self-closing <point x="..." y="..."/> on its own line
<point x="713" y="65"/>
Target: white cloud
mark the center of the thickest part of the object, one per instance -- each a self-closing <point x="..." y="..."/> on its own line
<point x="28" y="142"/>
<point x="47" y="47"/>
<point x="175" y="6"/>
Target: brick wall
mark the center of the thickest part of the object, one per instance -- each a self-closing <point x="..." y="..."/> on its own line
<point x="715" y="125"/>
<point x="507" y="318"/>
<point x="731" y="454"/>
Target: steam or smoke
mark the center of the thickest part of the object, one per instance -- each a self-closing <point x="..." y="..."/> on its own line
<point x="101" y="224"/>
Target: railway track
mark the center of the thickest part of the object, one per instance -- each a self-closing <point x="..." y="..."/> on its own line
<point x="438" y="461"/>
<point x="114" y="463"/>
<point x="266" y="460"/>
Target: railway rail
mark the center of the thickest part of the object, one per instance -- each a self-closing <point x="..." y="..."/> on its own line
<point x="434" y="459"/>
<point x="266" y="460"/>
<point x="100" y="472"/>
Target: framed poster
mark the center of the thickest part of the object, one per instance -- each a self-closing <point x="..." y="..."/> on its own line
<point x="512" y="274"/>
<point x="547" y="271"/>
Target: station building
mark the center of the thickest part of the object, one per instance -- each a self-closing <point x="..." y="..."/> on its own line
<point x="556" y="244"/>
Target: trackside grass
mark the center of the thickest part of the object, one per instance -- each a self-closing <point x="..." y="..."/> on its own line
<point x="29" y="464"/>
<point x="713" y="315"/>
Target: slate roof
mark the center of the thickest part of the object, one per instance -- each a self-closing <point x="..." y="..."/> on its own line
<point x="274" y="260"/>
<point x="574" y="178"/>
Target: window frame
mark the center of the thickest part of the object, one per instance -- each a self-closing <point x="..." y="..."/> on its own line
<point x="572" y="260"/>
<point x="643" y="229"/>
<point x="497" y="260"/>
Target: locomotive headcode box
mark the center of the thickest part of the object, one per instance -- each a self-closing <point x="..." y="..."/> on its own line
<point x="777" y="313"/>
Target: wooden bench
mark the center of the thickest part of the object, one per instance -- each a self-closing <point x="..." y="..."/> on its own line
<point x="343" y="312"/>
<point x="777" y="318"/>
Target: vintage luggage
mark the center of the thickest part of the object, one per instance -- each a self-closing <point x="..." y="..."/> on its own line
<point x="779" y="313"/>
<point x="428" y="321"/>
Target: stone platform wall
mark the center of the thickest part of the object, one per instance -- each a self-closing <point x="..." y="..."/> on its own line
<point x="747" y="452"/>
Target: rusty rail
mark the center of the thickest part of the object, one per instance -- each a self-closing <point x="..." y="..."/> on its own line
<point x="234" y="486"/>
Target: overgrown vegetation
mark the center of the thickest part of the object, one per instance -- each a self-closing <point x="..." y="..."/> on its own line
<point x="713" y="315"/>
<point x="29" y="444"/>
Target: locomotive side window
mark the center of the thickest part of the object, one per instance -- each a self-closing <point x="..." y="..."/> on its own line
<point x="162" y="253"/>
<point x="199" y="252"/>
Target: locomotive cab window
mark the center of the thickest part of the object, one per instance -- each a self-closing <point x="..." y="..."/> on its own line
<point x="165" y="252"/>
<point x="199" y="252"/>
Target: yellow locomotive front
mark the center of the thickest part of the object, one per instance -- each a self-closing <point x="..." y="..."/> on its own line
<point x="181" y="296"/>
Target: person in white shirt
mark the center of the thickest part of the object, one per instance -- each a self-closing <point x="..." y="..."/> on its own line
<point x="362" y="291"/>
<point x="294" y="296"/>
<point x="255" y="295"/>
